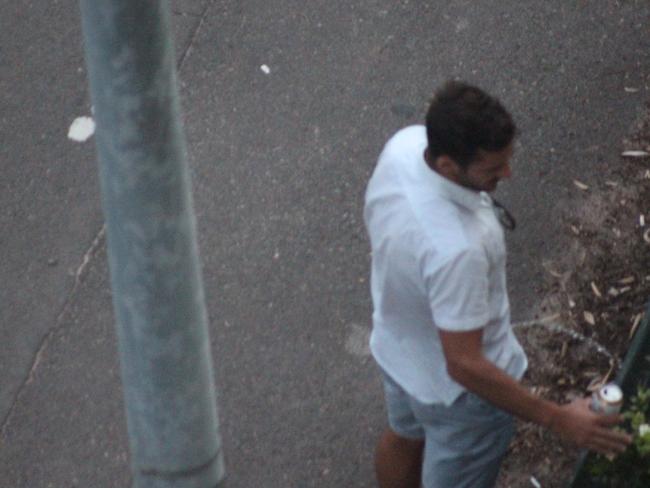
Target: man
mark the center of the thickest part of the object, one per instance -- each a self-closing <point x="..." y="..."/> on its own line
<point x="441" y="322"/>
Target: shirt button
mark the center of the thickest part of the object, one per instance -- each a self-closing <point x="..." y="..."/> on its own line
<point x="486" y="201"/>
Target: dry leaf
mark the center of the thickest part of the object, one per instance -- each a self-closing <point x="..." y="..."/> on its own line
<point x="635" y="154"/>
<point x="627" y="280"/>
<point x="554" y="273"/>
<point x="609" y="373"/>
<point x="580" y="185"/>
<point x="563" y="352"/>
<point x="596" y="291"/>
<point x="596" y="383"/>
<point x="635" y="324"/>
<point x="589" y="318"/>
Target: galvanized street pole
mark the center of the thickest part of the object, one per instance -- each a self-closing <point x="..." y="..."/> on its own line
<point x="155" y="274"/>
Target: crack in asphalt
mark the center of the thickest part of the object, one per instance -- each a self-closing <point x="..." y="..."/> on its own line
<point x="45" y="341"/>
<point x="190" y="44"/>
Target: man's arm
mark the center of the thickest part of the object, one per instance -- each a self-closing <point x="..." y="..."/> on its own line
<point x="574" y="421"/>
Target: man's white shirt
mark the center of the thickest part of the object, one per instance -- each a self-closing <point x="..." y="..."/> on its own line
<point x="438" y="262"/>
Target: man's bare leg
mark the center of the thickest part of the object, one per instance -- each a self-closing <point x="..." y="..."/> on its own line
<point x="398" y="461"/>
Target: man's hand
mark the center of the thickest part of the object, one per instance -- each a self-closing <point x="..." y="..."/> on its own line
<point x="577" y="423"/>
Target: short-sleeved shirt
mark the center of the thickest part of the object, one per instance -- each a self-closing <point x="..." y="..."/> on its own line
<point x="438" y="262"/>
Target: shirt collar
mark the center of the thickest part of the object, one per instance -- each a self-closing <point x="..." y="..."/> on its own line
<point x="470" y="199"/>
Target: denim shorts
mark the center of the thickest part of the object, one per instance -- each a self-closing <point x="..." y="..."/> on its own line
<point x="465" y="443"/>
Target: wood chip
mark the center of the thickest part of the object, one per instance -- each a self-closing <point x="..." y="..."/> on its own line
<point x="589" y="318"/>
<point x="625" y="289"/>
<point x="635" y="324"/>
<point x="635" y="154"/>
<point x="611" y="183"/>
<point x="594" y="384"/>
<point x="627" y="280"/>
<point x="565" y="347"/>
<point x="596" y="291"/>
<point x="609" y="373"/>
<point x="575" y="230"/>
<point x="554" y="273"/>
<point x="580" y="185"/>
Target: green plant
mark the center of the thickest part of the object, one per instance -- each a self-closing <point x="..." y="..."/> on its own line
<point x="632" y="468"/>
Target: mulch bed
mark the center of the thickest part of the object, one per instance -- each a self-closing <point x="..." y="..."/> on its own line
<point x="597" y="294"/>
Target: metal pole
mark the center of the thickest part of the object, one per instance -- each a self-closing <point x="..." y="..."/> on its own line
<point x="155" y="276"/>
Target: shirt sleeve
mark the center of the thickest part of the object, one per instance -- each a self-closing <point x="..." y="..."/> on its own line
<point x="458" y="291"/>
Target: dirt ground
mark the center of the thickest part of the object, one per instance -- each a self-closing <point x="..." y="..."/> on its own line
<point x="597" y="293"/>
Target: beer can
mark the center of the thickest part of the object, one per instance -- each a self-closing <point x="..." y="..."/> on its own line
<point x="607" y="400"/>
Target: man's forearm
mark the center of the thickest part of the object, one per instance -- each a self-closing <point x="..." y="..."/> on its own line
<point x="486" y="380"/>
<point x="573" y="421"/>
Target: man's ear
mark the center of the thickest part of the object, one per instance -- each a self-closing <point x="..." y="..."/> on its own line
<point x="446" y="166"/>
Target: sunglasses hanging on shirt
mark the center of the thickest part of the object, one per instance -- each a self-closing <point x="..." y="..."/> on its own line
<point x="504" y="216"/>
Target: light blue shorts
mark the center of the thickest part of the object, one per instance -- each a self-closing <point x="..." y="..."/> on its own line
<point x="465" y="443"/>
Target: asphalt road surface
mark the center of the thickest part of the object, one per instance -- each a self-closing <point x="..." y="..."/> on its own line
<point x="279" y="159"/>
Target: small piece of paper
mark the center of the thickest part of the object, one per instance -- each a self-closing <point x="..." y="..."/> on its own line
<point x="82" y="129"/>
<point x="265" y="69"/>
<point x="589" y="318"/>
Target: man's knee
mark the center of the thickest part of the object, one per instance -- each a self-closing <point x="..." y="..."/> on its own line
<point x="395" y="441"/>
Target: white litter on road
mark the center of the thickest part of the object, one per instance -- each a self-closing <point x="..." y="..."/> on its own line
<point x="265" y="69"/>
<point x="82" y="129"/>
<point x="635" y="154"/>
<point x="534" y="482"/>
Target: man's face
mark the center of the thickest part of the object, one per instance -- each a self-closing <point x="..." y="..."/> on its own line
<point x="485" y="172"/>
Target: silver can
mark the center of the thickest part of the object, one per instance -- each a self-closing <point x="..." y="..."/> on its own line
<point x="607" y="400"/>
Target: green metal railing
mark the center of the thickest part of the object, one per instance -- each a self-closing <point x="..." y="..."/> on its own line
<point x="155" y="275"/>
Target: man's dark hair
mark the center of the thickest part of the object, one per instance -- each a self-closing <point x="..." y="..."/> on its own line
<point x="463" y="119"/>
